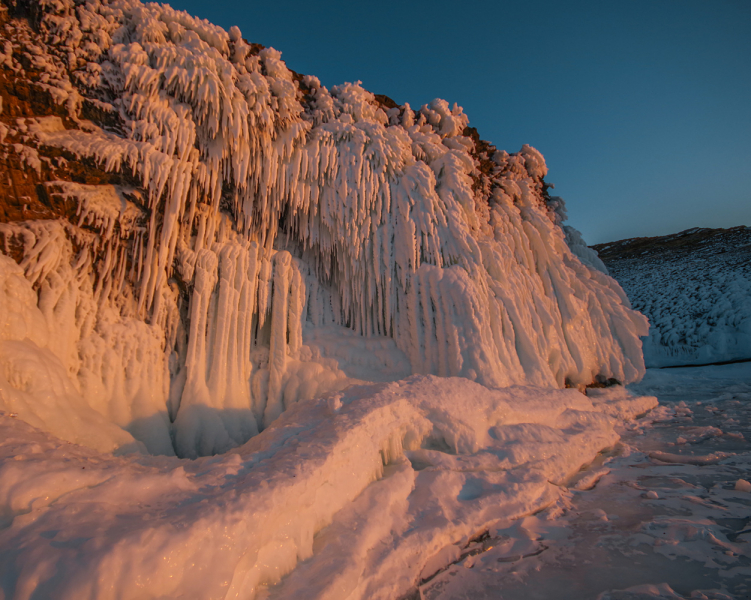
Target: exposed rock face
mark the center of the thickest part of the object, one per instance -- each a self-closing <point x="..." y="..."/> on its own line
<point x="695" y="288"/>
<point x="213" y="237"/>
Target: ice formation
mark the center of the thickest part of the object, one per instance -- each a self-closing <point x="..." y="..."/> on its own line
<point x="355" y="318"/>
<point x="266" y="208"/>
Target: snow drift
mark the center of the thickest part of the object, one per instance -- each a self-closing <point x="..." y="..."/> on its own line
<point x="371" y="490"/>
<point x="266" y="212"/>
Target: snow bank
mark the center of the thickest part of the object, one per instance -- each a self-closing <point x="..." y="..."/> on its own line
<point x="640" y="520"/>
<point x="363" y="488"/>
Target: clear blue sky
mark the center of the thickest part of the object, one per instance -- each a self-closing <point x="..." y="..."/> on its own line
<point x="642" y="108"/>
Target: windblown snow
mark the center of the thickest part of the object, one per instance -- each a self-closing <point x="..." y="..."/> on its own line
<point x="363" y="306"/>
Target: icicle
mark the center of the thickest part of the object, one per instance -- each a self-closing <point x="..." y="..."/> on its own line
<point x="296" y="309"/>
<point x="278" y="348"/>
<point x="264" y="290"/>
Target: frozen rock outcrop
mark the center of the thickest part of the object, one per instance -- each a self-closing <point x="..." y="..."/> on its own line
<point x="256" y="208"/>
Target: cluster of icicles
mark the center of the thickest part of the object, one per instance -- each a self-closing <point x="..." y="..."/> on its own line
<point x="274" y="206"/>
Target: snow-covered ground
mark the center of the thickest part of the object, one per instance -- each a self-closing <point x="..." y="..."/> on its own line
<point x="360" y="494"/>
<point x="666" y="514"/>
<point x="695" y="289"/>
<point x="424" y="488"/>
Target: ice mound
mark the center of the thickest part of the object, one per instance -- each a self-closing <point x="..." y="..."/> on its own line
<point x="257" y="213"/>
<point x="34" y="384"/>
<point x="364" y="489"/>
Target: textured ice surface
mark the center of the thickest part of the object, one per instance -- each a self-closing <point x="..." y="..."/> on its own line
<point x="633" y="527"/>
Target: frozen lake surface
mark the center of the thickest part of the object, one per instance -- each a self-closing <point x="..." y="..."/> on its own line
<point x="667" y="513"/>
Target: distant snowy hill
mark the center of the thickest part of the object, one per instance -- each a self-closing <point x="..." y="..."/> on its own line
<point x="695" y="288"/>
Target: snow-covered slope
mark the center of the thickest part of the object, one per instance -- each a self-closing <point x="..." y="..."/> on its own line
<point x="191" y="214"/>
<point x="695" y="288"/>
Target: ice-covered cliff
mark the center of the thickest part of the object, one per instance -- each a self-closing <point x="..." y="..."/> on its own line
<point x="211" y="237"/>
